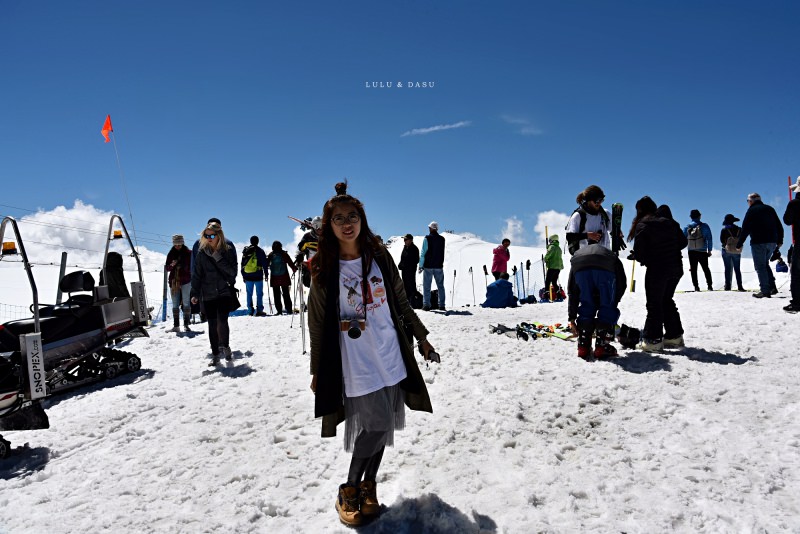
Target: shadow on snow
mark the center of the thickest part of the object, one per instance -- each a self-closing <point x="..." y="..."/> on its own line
<point x="24" y="461"/>
<point x="125" y="378"/>
<point x="642" y="362"/>
<point x="428" y="514"/>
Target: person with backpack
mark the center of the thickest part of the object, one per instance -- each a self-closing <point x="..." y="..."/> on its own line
<point x="254" y="274"/>
<point x="213" y="276"/>
<point x="698" y="235"/>
<point x="431" y="263"/>
<point x="731" y="256"/>
<point x="553" y="262"/>
<point x="279" y="263"/>
<point x="596" y="284"/>
<point x="792" y="217"/>
<point x="500" y="257"/>
<point x="762" y="225"/>
<point x="657" y="244"/>
<point x="179" y="266"/>
<point x="409" y="259"/>
<point x="589" y="223"/>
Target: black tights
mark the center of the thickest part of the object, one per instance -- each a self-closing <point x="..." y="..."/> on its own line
<point x="365" y="467"/>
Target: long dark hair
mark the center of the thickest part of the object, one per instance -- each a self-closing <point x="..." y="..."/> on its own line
<point x="645" y="207"/>
<point x="326" y="260"/>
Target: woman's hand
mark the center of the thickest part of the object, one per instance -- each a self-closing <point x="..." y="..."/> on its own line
<point x="194" y="300"/>
<point x="314" y="383"/>
<point x="426" y="348"/>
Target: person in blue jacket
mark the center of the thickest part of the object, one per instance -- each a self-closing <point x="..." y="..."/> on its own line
<point x="701" y="243"/>
<point x="500" y="294"/>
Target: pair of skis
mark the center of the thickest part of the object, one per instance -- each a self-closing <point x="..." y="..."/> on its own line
<point x="531" y="331"/>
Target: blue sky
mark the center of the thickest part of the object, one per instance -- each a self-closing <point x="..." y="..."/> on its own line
<point x="251" y="111"/>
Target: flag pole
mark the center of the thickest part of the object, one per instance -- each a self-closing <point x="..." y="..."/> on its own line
<point x="110" y="129"/>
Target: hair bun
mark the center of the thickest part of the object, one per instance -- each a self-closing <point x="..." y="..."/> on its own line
<point x="341" y="188"/>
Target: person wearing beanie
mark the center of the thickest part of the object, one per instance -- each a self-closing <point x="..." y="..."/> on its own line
<point x="431" y="264"/>
<point x="792" y="217"/>
<point x="254" y="273"/>
<point x="195" y="248"/>
<point x="554" y="264"/>
<point x="698" y="234"/>
<point x="409" y="259"/>
<point x="213" y="281"/>
<point x="762" y="225"/>
<point x="179" y="266"/>
<point x="589" y="223"/>
<point x="279" y="263"/>
<point x="500" y="257"/>
<point x="731" y="256"/>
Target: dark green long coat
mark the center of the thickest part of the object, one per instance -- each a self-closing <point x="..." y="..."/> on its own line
<point x="326" y="356"/>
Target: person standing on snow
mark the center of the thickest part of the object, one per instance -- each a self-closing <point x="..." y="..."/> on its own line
<point x="431" y="264"/>
<point x="658" y="241"/>
<point x="589" y="223"/>
<point x="698" y="235"/>
<point x="731" y="256"/>
<point x="596" y="284"/>
<point x="196" y="248"/>
<point x="212" y="281"/>
<point x="254" y="274"/>
<point x="306" y="249"/>
<point x="279" y="263"/>
<point x="363" y="370"/>
<point x="409" y="259"/>
<point x="553" y="262"/>
<point x="765" y="230"/>
<point x="179" y="265"/>
<point x="792" y="217"/>
<point x="500" y="257"/>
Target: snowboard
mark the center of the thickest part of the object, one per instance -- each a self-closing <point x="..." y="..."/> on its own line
<point x="616" y="227"/>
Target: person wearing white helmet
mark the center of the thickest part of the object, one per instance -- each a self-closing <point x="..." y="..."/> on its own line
<point x="431" y="264"/>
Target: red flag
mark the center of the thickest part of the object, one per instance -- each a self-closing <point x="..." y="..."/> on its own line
<point x="107" y="128"/>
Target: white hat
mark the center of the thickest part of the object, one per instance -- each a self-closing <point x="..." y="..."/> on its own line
<point x="434" y="226"/>
<point x="796" y="186"/>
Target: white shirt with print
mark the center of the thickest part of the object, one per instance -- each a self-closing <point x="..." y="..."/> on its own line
<point x="373" y="361"/>
<point x="594" y="223"/>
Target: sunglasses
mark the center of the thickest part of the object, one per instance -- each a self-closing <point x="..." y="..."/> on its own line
<point x="210" y="236"/>
<point x="351" y="218"/>
<point x="599" y="200"/>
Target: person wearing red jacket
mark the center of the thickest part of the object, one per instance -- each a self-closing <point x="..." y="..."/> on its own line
<point x="500" y="260"/>
<point x="179" y="266"/>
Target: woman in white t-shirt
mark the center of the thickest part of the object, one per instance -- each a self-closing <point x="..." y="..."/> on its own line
<point x="589" y="223"/>
<point x="362" y="363"/>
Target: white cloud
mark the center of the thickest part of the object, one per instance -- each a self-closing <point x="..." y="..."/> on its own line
<point x="513" y="231"/>
<point x="525" y="125"/>
<point x="554" y="223"/>
<point x="440" y="127"/>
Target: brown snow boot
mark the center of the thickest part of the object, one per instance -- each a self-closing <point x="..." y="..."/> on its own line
<point x="368" y="496"/>
<point x="347" y="506"/>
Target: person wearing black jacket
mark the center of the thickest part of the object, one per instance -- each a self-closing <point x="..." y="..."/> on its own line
<point x="213" y="277"/>
<point x="658" y="241"/>
<point x="792" y="217"/>
<point x="409" y="259"/>
<point x="596" y="284"/>
<point x="254" y="279"/>
<point x="765" y="230"/>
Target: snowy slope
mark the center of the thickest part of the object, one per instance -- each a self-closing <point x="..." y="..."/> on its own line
<point x="525" y="437"/>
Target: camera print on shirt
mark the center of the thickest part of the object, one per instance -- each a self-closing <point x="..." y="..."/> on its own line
<point x="373" y="291"/>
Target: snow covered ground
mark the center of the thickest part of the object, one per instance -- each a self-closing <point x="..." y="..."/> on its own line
<point x="525" y="437"/>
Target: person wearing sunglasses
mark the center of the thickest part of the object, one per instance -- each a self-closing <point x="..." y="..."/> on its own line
<point x="214" y="274"/>
<point x="590" y="223"/>
<point x="363" y="367"/>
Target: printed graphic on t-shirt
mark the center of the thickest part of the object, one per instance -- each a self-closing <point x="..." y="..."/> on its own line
<point x="360" y="293"/>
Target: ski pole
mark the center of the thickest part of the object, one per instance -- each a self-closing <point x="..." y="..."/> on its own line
<point x="453" y="293"/>
<point x="528" y="268"/>
<point x="485" y="276"/>
<point x="269" y="299"/>
<point x="544" y="273"/>
<point x="516" y="282"/>
<point x="522" y="276"/>
<point x="473" y="285"/>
